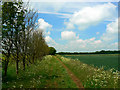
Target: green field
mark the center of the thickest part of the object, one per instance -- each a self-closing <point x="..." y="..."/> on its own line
<point x="108" y="61"/>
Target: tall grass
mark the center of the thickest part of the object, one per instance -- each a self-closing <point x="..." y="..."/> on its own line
<point x="48" y="73"/>
<point x="93" y="77"/>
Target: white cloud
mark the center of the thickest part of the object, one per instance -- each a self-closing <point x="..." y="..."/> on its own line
<point x="43" y="25"/>
<point x="82" y="45"/>
<point x="69" y="25"/>
<point x="68" y="35"/>
<point x="52" y="43"/>
<point x="72" y="0"/>
<point x="48" y="32"/>
<point x="97" y="33"/>
<point x="85" y="45"/>
<point x="91" y="39"/>
<point x="89" y="45"/>
<point x="75" y="43"/>
<point x="111" y="32"/>
<point x="62" y="15"/>
<point x="48" y="39"/>
<point x="89" y="16"/>
<point x="97" y="42"/>
<point x="63" y="8"/>
<point x="47" y="7"/>
<point x="85" y="17"/>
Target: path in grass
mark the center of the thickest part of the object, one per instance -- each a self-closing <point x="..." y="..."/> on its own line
<point x="48" y="73"/>
<point x="71" y="74"/>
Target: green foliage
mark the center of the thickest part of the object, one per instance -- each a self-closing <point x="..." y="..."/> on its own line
<point x="11" y="23"/>
<point x="52" y="51"/>
<point x="38" y="46"/>
<point x="20" y="40"/>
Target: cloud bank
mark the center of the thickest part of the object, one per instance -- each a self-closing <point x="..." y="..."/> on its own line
<point x="91" y="16"/>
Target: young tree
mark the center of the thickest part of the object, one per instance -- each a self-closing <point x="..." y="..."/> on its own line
<point x="8" y="16"/>
<point x="38" y="47"/>
<point x="18" y="31"/>
<point x="21" y="39"/>
<point x="13" y="24"/>
<point x="30" y="25"/>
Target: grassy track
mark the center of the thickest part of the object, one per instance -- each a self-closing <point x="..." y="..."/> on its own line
<point x="90" y="76"/>
<point x="108" y="61"/>
<point x="49" y="73"/>
<point x="72" y="75"/>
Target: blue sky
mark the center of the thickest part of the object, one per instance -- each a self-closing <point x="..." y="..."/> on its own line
<point x="78" y="26"/>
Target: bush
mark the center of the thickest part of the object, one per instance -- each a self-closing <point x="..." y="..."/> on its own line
<point x="52" y="51"/>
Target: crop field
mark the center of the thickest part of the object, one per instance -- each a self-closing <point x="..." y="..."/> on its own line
<point x="107" y="61"/>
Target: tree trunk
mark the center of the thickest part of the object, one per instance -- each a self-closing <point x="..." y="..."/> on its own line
<point x="23" y="62"/>
<point x="33" y="59"/>
<point x="17" y="65"/>
<point x="6" y="63"/>
<point x="30" y="62"/>
<point x="6" y="67"/>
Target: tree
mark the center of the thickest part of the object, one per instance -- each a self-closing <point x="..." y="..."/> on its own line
<point x="38" y="47"/>
<point x="19" y="28"/>
<point x="21" y="39"/>
<point x="8" y="16"/>
<point x="30" y="25"/>
<point x="12" y="28"/>
<point x="52" y="51"/>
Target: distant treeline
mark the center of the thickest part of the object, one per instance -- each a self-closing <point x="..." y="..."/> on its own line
<point x="97" y="52"/>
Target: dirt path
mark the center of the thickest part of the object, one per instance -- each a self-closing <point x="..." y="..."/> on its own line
<point x="71" y="74"/>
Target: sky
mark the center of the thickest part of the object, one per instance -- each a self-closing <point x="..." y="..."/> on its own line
<point x="77" y="26"/>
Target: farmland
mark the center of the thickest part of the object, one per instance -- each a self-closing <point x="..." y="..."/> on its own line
<point x="51" y="73"/>
<point x="108" y="61"/>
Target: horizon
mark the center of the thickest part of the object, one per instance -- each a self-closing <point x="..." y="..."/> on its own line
<point x="85" y="51"/>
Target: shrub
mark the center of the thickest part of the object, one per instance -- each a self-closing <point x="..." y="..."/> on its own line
<point x="52" y="51"/>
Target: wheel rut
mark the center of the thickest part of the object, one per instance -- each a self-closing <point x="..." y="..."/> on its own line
<point x="72" y="75"/>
